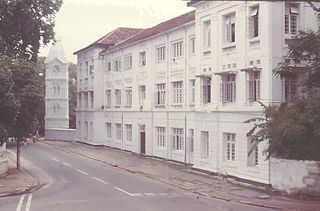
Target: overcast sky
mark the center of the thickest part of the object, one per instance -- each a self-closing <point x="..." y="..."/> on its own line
<point x="81" y="22"/>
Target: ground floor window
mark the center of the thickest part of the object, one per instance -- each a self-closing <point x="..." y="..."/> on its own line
<point x="161" y="135"/>
<point x="108" y="129"/>
<point x="118" y="132"/>
<point x="230" y="146"/>
<point x="204" y="145"/>
<point x="177" y="139"/>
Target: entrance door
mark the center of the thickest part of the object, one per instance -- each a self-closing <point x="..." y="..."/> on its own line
<point x="142" y="139"/>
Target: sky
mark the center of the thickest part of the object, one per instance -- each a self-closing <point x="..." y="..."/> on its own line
<point x="82" y="22"/>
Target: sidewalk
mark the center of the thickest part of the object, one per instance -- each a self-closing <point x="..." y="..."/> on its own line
<point x="17" y="181"/>
<point x="183" y="177"/>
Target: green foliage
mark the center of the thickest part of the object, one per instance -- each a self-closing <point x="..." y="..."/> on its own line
<point x="24" y="25"/>
<point x="293" y="128"/>
<point x="72" y="94"/>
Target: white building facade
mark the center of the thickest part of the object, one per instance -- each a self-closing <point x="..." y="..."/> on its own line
<point x="182" y="90"/>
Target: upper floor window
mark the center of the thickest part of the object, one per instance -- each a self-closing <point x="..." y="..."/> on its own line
<point x="207" y="34"/>
<point x="87" y="68"/>
<point x="108" y="97"/>
<point x="192" y="45"/>
<point x="117" y="94"/>
<point x="177" y="49"/>
<point x="143" y="58"/>
<point x="177" y="92"/>
<point x="128" y="61"/>
<point x="109" y="66"/>
<point x="161" y="53"/>
<point x="192" y="91"/>
<point x="117" y="64"/>
<point x="290" y="87"/>
<point x="206" y="90"/>
<point x="128" y="98"/>
<point x="253" y="86"/>
<point x="160" y="94"/>
<point x="291" y="18"/>
<point x="228" y="88"/>
<point x="230" y="28"/>
<point x="254" y="22"/>
<point x="142" y="94"/>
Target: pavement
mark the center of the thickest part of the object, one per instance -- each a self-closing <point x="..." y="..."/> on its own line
<point x="175" y="174"/>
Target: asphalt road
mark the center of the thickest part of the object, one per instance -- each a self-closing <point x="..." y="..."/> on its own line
<point x="81" y="184"/>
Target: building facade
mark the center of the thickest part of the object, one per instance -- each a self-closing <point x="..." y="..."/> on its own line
<point x="183" y="89"/>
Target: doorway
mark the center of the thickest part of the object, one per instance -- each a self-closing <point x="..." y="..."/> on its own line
<point x="142" y="139"/>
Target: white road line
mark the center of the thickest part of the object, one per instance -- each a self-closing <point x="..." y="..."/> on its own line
<point x="55" y="159"/>
<point x="28" y="203"/>
<point x="123" y="191"/>
<point x="149" y="194"/>
<point x="66" y="164"/>
<point x="162" y="194"/>
<point x="137" y="194"/>
<point x="104" y="182"/>
<point x="20" y="203"/>
<point x="82" y="172"/>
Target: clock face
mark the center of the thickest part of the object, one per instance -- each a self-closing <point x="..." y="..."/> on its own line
<point x="56" y="68"/>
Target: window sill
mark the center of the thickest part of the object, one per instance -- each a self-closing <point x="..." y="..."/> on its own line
<point x="159" y="106"/>
<point x="229" y="45"/>
<point x="117" y="106"/>
<point x="254" y="40"/>
<point x="128" y="106"/>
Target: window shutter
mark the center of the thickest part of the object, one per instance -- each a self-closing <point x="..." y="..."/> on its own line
<point x="251" y="27"/>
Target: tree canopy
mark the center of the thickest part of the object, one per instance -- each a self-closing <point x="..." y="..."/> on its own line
<point x="24" y="26"/>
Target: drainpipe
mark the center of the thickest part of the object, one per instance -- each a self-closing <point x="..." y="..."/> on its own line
<point x="185" y="94"/>
<point x="167" y="97"/>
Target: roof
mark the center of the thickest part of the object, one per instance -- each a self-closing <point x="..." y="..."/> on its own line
<point x="191" y="2"/>
<point x="113" y="37"/>
<point x="164" y="26"/>
<point x="57" y="52"/>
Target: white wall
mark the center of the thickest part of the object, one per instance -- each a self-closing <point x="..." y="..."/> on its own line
<point x="61" y="134"/>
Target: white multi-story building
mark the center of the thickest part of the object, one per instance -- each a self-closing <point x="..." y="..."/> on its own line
<point x="182" y="89"/>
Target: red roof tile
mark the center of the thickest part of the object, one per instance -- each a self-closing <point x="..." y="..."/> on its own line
<point x="164" y="26"/>
<point x="114" y="37"/>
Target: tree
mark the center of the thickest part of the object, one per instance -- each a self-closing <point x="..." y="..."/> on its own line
<point x="293" y="128"/>
<point x="72" y="94"/>
<point x="24" y="25"/>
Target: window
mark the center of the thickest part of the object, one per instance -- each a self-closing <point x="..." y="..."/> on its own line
<point x="230" y="29"/>
<point x="191" y="140"/>
<point x="253" y="86"/>
<point x="230" y="146"/>
<point x="290" y="87"/>
<point x="161" y="133"/>
<point x="117" y="65"/>
<point x="253" y="154"/>
<point x="87" y="69"/>
<point x="142" y="94"/>
<point x="204" y="150"/>
<point x="118" y="97"/>
<point x="177" y="49"/>
<point x="192" y="45"/>
<point x="160" y="94"/>
<point x="128" y="98"/>
<point x="206" y="90"/>
<point x="79" y="101"/>
<point x="143" y="59"/>
<point x="177" y="139"/>
<point x="254" y="22"/>
<point x="118" y="132"/>
<point x="108" y="129"/>
<point x="291" y="18"/>
<point x="177" y="92"/>
<point x="108" y="97"/>
<point x="128" y="61"/>
<point x="228" y="88"/>
<point x="109" y="66"/>
<point x="161" y="53"/>
<point x="207" y="34"/>
<point x="128" y="132"/>
<point x="91" y="99"/>
<point x="192" y="91"/>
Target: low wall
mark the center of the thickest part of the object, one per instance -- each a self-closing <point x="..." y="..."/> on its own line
<point x="295" y="176"/>
<point x="61" y="134"/>
<point x="3" y="160"/>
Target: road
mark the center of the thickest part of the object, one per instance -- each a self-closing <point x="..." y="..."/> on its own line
<point x="82" y="184"/>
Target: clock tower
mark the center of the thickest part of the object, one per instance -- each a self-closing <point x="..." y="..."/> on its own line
<point x="57" y="88"/>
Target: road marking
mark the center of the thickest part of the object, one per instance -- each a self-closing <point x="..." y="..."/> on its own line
<point x="82" y="172"/>
<point x="149" y="194"/>
<point x="123" y="191"/>
<point x="137" y="194"/>
<point x="28" y="203"/>
<point x="104" y="182"/>
<point x="55" y="159"/>
<point x="66" y="164"/>
<point x="162" y="194"/>
<point x="20" y="203"/>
